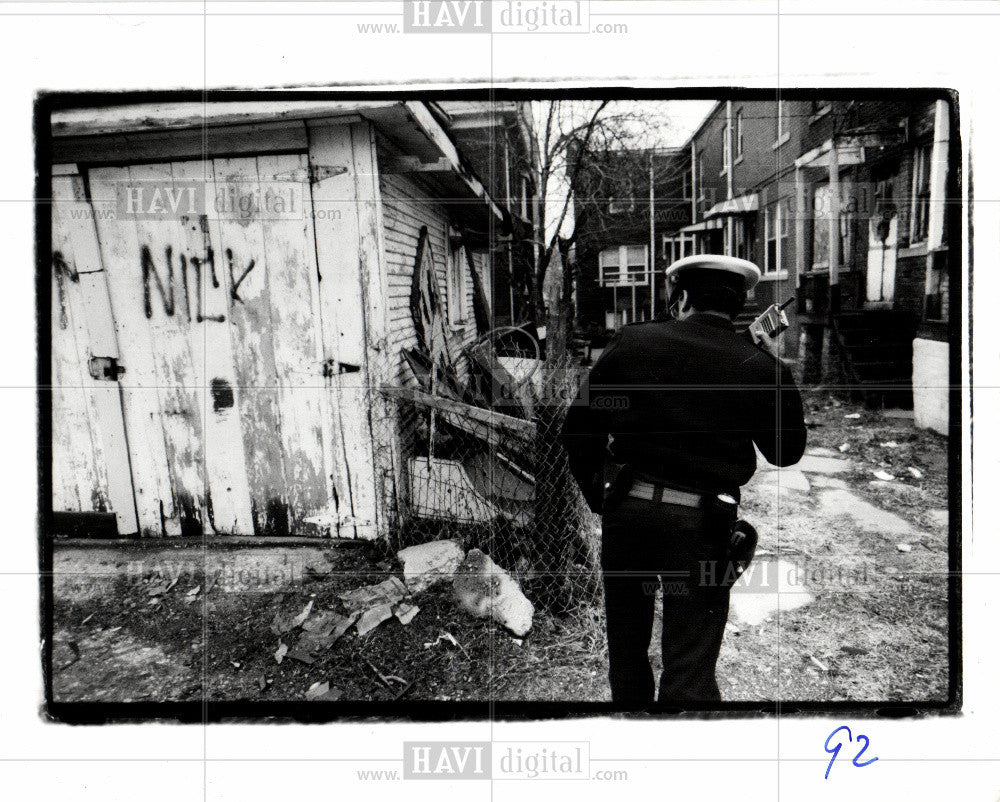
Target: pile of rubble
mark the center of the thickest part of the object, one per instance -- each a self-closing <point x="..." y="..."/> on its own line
<point x="480" y="587"/>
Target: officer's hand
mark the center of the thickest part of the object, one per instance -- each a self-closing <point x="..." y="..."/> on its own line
<point x="769" y="345"/>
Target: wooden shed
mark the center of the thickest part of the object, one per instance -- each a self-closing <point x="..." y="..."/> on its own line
<point x="231" y="284"/>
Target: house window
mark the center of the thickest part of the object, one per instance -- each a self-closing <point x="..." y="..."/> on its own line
<point x="921" y="198"/>
<point x="701" y="175"/>
<point x="456" y="275"/>
<point x="678" y="247"/>
<point x="686" y="187"/>
<point x="618" y="206"/>
<point x="776" y="228"/>
<point x="822" y="211"/>
<point x="610" y="267"/>
<point x="739" y="133"/>
<point x="624" y="266"/>
<point x="624" y="201"/>
<point x="744" y="232"/>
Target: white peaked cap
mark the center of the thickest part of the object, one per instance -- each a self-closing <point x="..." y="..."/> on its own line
<point x="726" y="264"/>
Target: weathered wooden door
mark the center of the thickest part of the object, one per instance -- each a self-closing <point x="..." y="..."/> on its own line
<point x="230" y="407"/>
<point x="90" y="462"/>
<point x="883" y="236"/>
<point x="881" y="278"/>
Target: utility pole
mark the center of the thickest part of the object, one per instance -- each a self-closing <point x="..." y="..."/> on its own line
<point x="834" y="221"/>
<point x="652" y="242"/>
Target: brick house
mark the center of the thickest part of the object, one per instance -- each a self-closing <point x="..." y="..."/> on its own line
<point x="870" y="272"/>
<point x="619" y="253"/>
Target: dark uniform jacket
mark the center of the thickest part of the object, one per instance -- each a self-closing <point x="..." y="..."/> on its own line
<point x="684" y="402"/>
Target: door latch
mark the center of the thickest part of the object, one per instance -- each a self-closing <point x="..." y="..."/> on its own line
<point x="105" y="368"/>
<point x="331" y="368"/>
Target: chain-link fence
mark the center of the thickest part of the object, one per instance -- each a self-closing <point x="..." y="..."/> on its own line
<point x="489" y="471"/>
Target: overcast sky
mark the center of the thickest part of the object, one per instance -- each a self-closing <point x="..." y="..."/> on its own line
<point x="675" y="120"/>
<point x="684" y="117"/>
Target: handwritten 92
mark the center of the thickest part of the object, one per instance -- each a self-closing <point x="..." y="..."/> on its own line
<point x="835" y="750"/>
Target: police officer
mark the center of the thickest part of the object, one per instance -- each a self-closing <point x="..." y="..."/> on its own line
<point x="660" y="440"/>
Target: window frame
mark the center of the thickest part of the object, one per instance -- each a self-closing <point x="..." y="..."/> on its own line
<point x="618" y="206"/>
<point x="920" y="199"/>
<point x="776" y="211"/>
<point x="782" y="132"/>
<point x="739" y="134"/>
<point x="846" y="230"/>
<point x="625" y="277"/>
<point x="726" y="149"/>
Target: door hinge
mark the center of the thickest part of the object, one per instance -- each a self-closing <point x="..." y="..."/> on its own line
<point x="105" y="368"/>
<point x="317" y="172"/>
<point x="314" y="173"/>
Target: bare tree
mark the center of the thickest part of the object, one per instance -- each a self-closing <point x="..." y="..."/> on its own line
<point x="602" y="138"/>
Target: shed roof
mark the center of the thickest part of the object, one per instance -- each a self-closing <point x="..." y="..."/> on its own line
<point x="145" y="131"/>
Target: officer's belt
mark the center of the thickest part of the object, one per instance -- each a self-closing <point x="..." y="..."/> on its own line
<point x="664" y="495"/>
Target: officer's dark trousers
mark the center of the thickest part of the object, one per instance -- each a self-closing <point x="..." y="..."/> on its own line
<point x="643" y="545"/>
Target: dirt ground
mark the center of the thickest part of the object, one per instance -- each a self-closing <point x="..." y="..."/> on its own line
<point x="846" y="600"/>
<point x="113" y="641"/>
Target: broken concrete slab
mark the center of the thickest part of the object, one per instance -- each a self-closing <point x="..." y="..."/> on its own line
<point x="319" y="622"/>
<point x="429" y="563"/>
<point x="388" y="591"/>
<point x="821" y="451"/>
<point x="405" y="612"/>
<point x="767" y="587"/>
<point x="485" y="590"/>
<point x="302" y="656"/>
<point x="322" y="692"/>
<point x="786" y="479"/>
<point x="825" y="465"/>
<point x="898" y="488"/>
<point x="323" y="630"/>
<point x="372" y="617"/>
<point x="829" y="481"/>
<point x="392" y="588"/>
<point x="283" y="623"/>
<point x="838" y="504"/>
<point x="938" y="518"/>
<point x="342" y="623"/>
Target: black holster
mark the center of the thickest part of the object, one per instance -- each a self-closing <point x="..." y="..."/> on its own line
<point x="616" y="482"/>
<point x="741" y="543"/>
<point x="742" y="546"/>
